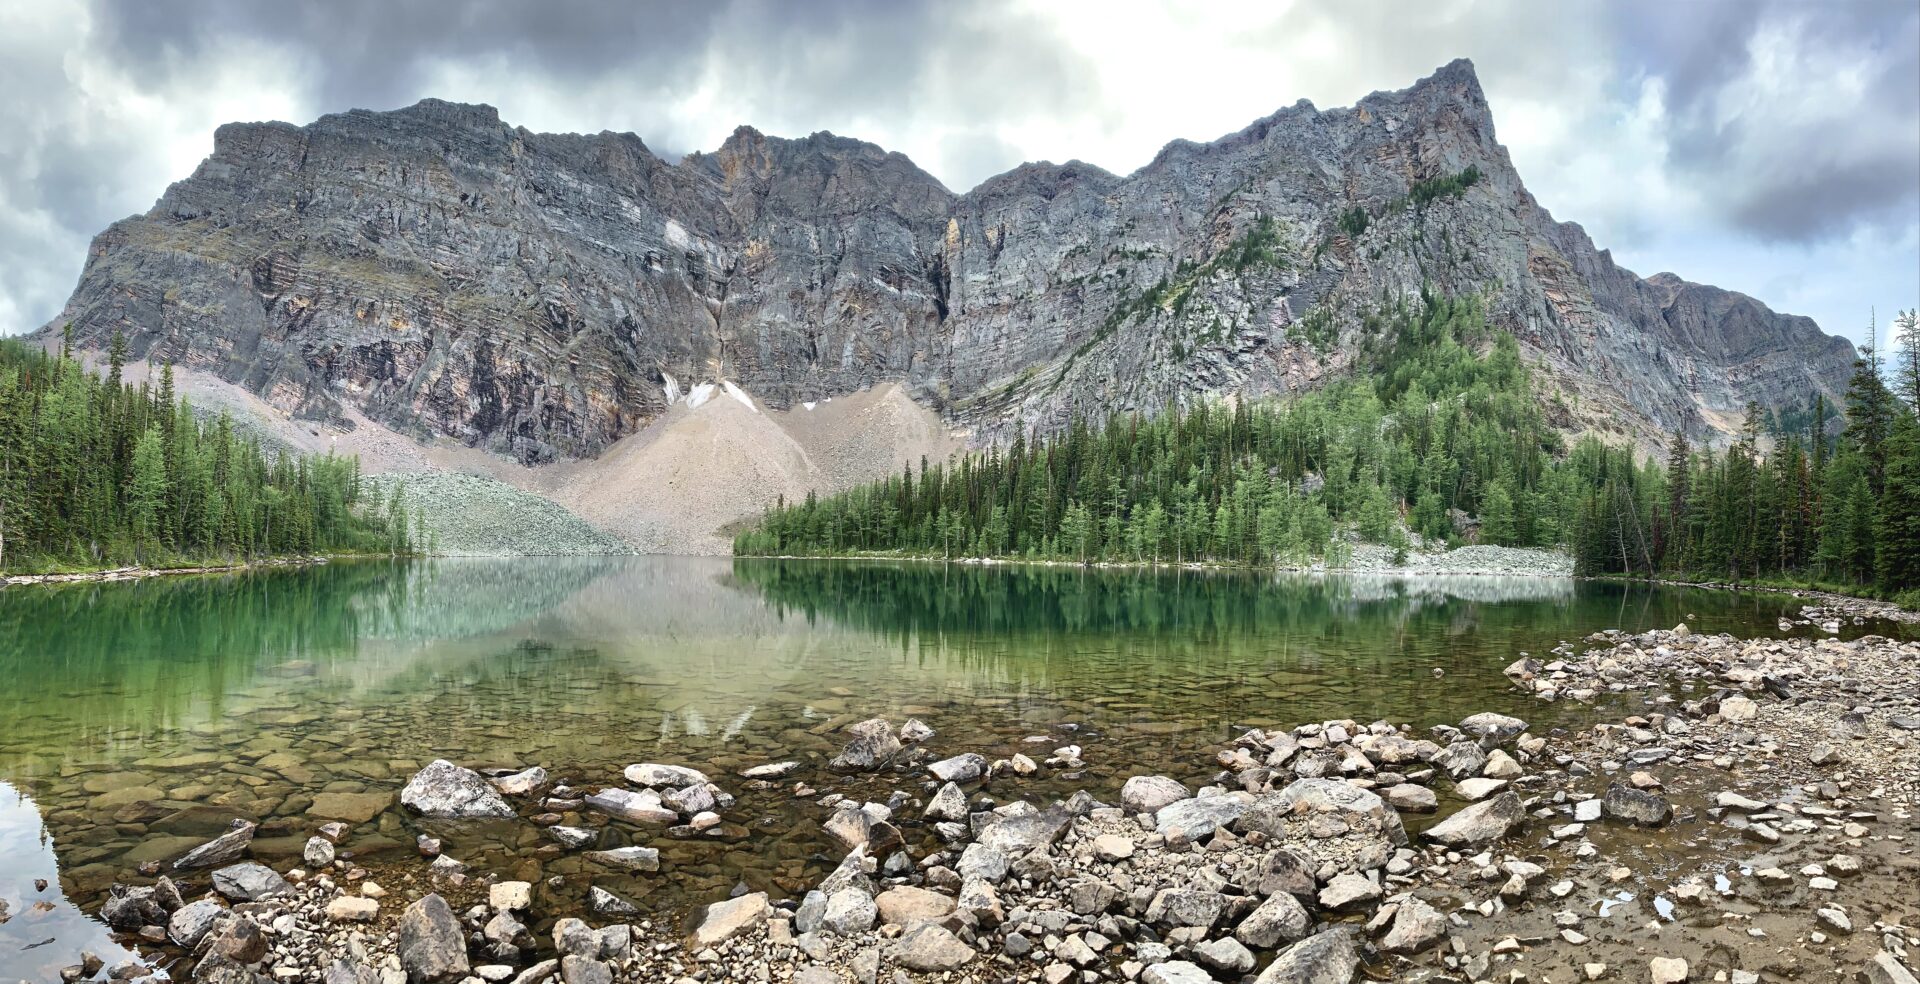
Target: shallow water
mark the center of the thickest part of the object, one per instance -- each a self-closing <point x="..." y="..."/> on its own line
<point x="140" y="717"/>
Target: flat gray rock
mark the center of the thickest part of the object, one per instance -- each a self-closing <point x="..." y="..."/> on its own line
<point x="1482" y="823"/>
<point x="249" y="881"/>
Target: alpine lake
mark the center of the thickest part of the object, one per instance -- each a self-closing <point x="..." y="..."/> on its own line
<point x="140" y="718"/>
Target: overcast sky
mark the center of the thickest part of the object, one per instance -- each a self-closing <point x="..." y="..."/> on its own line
<point x="1766" y="146"/>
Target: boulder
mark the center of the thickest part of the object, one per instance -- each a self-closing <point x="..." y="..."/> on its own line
<point x="249" y="882"/>
<point x="1017" y="835"/>
<point x="1176" y="972"/>
<point x="352" y="908"/>
<point x="132" y="908"/>
<point x="1668" y="970"/>
<point x="1347" y="891"/>
<point x="608" y="904"/>
<point x="1225" y="955"/>
<point x="960" y="768"/>
<point x="510" y="896"/>
<point x="771" y="771"/>
<point x="725" y="920"/>
<point x="950" y="803"/>
<point x="1192" y="907"/>
<point x="1150" y="794"/>
<point x="850" y="912"/>
<point x="1886" y="969"/>
<point x="872" y="746"/>
<point x="1412" y="798"/>
<point x="1328" y="957"/>
<point x="318" y="853"/>
<point x="1636" y="806"/>
<point x="1498" y="727"/>
<point x="190" y="922"/>
<point x="239" y="940"/>
<point x="931" y="949"/>
<point x="1481" y="823"/>
<point x="446" y="791"/>
<point x="855" y="826"/>
<point x="1478" y="788"/>
<point x="1416" y="926"/>
<point x="1201" y="815"/>
<point x="1463" y="759"/>
<point x="432" y="946"/>
<point x="1500" y="765"/>
<point x="1279" y="920"/>
<point x="906" y="906"/>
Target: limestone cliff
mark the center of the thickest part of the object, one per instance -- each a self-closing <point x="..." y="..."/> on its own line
<point x="543" y="295"/>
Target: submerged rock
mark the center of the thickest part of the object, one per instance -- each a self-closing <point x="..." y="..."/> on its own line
<point x="226" y="848"/>
<point x="630" y="858"/>
<point x="772" y="770"/>
<point x="521" y="783"/>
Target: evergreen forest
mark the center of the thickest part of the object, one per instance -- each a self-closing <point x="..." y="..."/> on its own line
<point x="1439" y="437"/>
<point x="98" y="473"/>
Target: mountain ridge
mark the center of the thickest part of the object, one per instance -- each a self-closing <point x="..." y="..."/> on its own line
<point x="543" y="295"/>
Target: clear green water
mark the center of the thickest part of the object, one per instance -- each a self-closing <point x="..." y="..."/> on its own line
<point x="137" y="718"/>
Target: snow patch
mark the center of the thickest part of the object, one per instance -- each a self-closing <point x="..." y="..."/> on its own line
<point x="671" y="389"/>
<point x="699" y="394"/>
<point x="809" y="404"/>
<point x="677" y="234"/>
<point x="741" y="395"/>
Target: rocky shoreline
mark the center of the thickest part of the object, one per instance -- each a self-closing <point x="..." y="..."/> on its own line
<point x="136" y="573"/>
<point x="1742" y="810"/>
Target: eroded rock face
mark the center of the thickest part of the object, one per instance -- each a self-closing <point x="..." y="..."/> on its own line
<point x="541" y="295"/>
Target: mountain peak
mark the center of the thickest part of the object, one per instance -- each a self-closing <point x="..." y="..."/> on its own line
<point x="364" y="273"/>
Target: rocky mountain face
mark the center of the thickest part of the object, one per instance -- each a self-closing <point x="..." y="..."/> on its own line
<point x="542" y="295"/>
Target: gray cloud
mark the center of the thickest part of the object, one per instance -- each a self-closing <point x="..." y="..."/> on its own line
<point x="1799" y="172"/>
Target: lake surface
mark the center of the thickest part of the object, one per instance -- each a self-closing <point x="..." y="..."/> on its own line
<point x="138" y="718"/>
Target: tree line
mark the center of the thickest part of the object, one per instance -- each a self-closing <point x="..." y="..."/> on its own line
<point x="1782" y="504"/>
<point x="1438" y="437"/>
<point x="96" y="472"/>
<point x="1444" y="427"/>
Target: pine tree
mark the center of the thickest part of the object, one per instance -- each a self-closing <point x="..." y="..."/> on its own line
<point x="1496" y="515"/>
<point x="1897" y="526"/>
<point x="1906" y="361"/>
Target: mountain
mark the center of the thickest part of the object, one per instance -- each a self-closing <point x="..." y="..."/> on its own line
<point x="541" y="296"/>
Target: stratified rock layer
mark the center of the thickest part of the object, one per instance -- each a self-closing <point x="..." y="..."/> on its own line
<point x="542" y="295"/>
